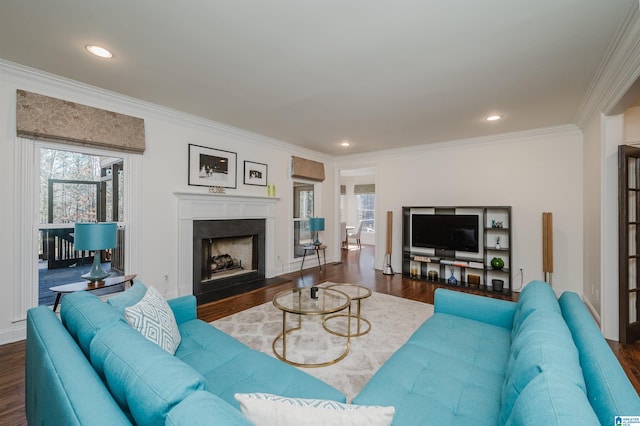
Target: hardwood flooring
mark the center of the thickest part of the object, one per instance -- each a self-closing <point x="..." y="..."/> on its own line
<point x="354" y="267"/>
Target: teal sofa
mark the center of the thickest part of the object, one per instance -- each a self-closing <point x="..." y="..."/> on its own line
<point x="92" y="368"/>
<point x="482" y="361"/>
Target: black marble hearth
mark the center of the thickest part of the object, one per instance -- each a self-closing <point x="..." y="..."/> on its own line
<point x="242" y="242"/>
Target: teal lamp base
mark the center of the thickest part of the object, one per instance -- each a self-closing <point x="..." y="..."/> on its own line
<point x="96" y="273"/>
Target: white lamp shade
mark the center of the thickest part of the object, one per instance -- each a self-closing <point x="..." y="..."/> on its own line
<point x="94" y="236"/>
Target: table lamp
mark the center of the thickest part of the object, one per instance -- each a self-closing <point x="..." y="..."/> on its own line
<point x="95" y="237"/>
<point x="316" y="224"/>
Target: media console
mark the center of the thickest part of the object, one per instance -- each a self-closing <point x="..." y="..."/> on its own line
<point x="467" y="247"/>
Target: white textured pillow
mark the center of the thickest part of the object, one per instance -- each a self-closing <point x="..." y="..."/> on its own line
<point x="264" y="409"/>
<point x="153" y="317"/>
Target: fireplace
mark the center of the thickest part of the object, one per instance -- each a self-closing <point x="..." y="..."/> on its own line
<point x="228" y="257"/>
<point x="207" y="207"/>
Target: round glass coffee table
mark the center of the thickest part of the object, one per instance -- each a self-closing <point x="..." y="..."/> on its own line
<point x="356" y="293"/>
<point x="309" y="301"/>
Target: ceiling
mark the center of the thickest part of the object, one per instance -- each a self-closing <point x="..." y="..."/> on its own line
<point x="380" y="74"/>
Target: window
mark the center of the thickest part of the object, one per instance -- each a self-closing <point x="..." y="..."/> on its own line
<point x="366" y="211"/>
<point x="75" y="187"/>
<point x="303" y="209"/>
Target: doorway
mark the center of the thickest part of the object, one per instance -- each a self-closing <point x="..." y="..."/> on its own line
<point x="357" y="205"/>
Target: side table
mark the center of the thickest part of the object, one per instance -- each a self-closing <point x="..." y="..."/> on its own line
<point x="89" y="286"/>
<point x="317" y="249"/>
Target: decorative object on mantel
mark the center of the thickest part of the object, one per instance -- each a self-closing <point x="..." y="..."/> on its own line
<point x="271" y="190"/>
<point x="217" y="190"/>
<point x="497" y="263"/>
<point x="307" y="169"/>
<point x="44" y="118"/>
<point x="255" y="173"/>
<point x="212" y="167"/>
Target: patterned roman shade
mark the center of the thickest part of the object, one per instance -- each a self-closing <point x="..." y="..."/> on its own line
<point x="307" y="169"/>
<point x="44" y="118"/>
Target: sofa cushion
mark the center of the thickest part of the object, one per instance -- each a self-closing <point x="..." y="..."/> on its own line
<point x="84" y="314"/>
<point x="537" y="295"/>
<point x="154" y="319"/>
<point x="231" y="367"/>
<point x="129" y="297"/>
<point x="202" y="408"/>
<point x="550" y="400"/>
<point x="451" y="371"/>
<point x="143" y="378"/>
<point x="274" y="410"/>
<point x="543" y="343"/>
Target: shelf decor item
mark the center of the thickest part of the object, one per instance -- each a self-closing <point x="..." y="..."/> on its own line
<point x="497" y="263"/>
<point x="452" y="279"/>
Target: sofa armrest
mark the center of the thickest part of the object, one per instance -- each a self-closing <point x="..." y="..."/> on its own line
<point x="479" y="308"/>
<point x="184" y="308"/>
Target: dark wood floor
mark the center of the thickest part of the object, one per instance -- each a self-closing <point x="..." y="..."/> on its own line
<point x="355" y="267"/>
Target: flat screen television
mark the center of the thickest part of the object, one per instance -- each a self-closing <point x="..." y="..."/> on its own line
<point x="445" y="231"/>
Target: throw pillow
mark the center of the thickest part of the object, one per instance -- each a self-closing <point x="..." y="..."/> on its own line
<point x="270" y="410"/>
<point x="153" y="317"/>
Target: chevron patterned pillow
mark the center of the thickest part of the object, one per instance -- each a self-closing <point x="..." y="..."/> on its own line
<point x="153" y="317"/>
<point x="265" y="409"/>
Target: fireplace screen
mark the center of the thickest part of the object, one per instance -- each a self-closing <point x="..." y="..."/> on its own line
<point x="225" y="257"/>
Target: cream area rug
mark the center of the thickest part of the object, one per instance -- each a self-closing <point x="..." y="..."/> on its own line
<point x="393" y="320"/>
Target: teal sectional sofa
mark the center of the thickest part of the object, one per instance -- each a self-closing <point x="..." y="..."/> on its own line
<point x="93" y="368"/>
<point x="482" y="361"/>
<point x="476" y="361"/>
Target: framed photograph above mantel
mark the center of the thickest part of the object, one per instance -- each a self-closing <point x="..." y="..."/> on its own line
<point x="212" y="167"/>
<point x="255" y="173"/>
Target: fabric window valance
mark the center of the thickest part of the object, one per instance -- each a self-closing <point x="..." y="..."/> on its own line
<point x="41" y="117"/>
<point x="307" y="169"/>
<point x="369" y="188"/>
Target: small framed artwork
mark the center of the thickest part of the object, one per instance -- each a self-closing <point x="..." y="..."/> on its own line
<point x="255" y="173"/>
<point x="212" y="167"/>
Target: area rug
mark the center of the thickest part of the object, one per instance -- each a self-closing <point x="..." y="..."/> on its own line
<point x="393" y="320"/>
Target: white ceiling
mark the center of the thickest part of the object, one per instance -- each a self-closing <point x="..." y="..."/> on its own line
<point x="380" y="74"/>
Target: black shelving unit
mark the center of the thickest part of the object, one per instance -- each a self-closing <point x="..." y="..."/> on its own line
<point x="471" y="271"/>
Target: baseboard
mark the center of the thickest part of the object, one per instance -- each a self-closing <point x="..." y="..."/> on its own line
<point x="592" y="310"/>
<point x="14" y="334"/>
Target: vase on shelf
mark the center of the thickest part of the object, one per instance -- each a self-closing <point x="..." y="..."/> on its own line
<point x="497" y="263"/>
<point x="452" y="279"/>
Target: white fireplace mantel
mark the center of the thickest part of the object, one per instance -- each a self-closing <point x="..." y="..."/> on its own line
<point x="199" y="206"/>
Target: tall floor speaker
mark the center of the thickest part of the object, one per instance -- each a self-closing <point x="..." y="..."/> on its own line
<point x="387" y="269"/>
<point x="547" y="245"/>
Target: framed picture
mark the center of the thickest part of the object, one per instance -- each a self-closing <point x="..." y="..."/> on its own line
<point x="255" y="173"/>
<point x="212" y="167"/>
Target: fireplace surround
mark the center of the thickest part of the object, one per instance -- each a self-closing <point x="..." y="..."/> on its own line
<point x="196" y="207"/>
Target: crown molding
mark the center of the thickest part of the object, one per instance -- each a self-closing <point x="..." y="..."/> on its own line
<point x="137" y="107"/>
<point x="513" y="137"/>
<point x="618" y="71"/>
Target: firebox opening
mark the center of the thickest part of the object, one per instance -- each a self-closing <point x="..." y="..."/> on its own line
<point x="227" y="257"/>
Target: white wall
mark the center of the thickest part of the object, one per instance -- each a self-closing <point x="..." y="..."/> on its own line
<point x="164" y="171"/>
<point x="534" y="172"/>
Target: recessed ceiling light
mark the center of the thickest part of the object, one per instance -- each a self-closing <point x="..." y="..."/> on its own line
<point x="493" y="117"/>
<point x="345" y="143"/>
<point x="99" y="51"/>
